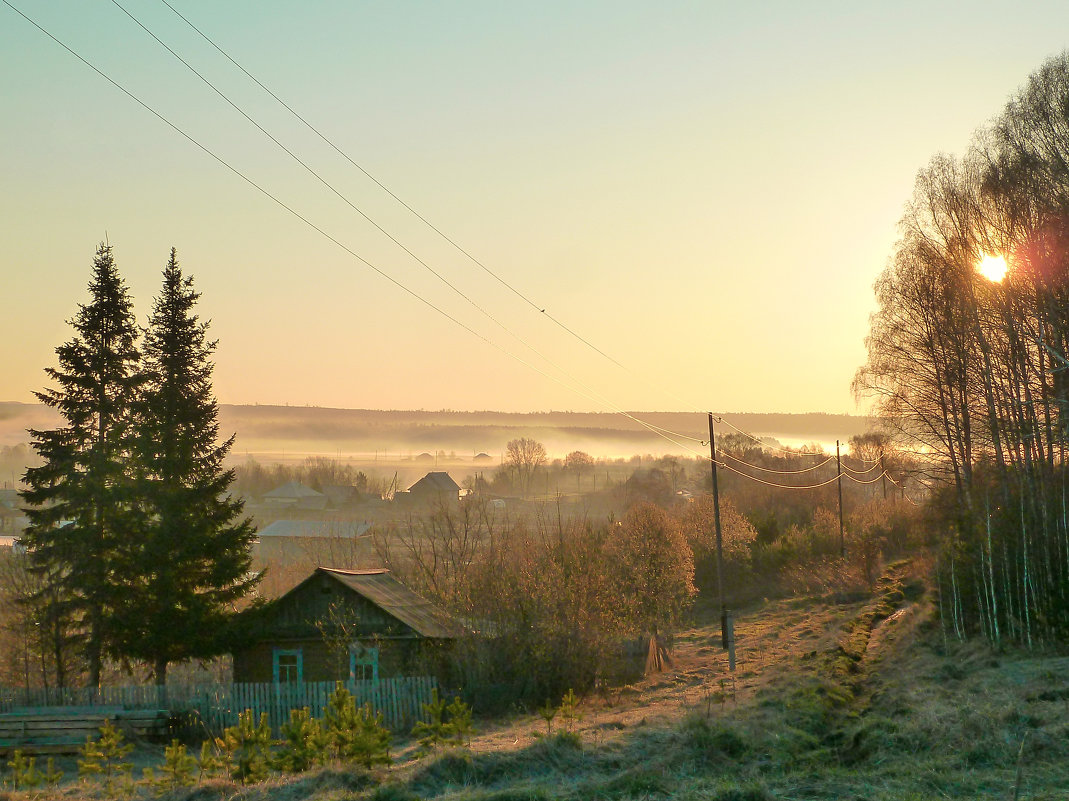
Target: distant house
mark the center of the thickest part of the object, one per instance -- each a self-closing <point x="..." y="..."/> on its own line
<point x="12" y="519"/>
<point x="314" y="541"/>
<point x="483" y="458"/>
<point x="9" y="520"/>
<point x="434" y="487"/>
<point x="295" y="495"/>
<point x="341" y="496"/>
<point x="342" y="624"/>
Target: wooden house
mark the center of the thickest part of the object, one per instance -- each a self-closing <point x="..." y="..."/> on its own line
<point x="312" y="542"/>
<point x="344" y="624"/>
<point x="435" y="487"/>
<point x="295" y="495"/>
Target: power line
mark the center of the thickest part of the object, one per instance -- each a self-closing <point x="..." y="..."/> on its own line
<point x="774" y="484"/>
<point x="665" y="433"/>
<point x="597" y="397"/>
<point x="859" y="481"/>
<point x="848" y="468"/>
<point x="542" y="310"/>
<point x="537" y="307"/>
<point x="654" y="429"/>
<point x="770" y="470"/>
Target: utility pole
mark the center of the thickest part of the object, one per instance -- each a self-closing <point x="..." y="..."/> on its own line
<point x="883" y="476"/>
<point x="727" y="625"/>
<point x="839" y="471"/>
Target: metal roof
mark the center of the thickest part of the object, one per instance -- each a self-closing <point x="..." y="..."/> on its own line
<point x="320" y="529"/>
<point x="382" y="589"/>
<point x="293" y="489"/>
<point x="437" y="481"/>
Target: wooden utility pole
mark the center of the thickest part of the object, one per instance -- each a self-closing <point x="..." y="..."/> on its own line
<point x="883" y="476"/>
<point x="839" y="472"/>
<point x="727" y="625"/>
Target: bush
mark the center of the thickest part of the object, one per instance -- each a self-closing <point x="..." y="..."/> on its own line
<point x="304" y="743"/>
<point x="247" y="747"/>
<point x="356" y="734"/>
<point x="713" y="740"/>
<point x="178" y="769"/>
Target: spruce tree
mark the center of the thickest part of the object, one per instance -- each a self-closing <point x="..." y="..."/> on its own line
<point x="78" y="500"/>
<point x="192" y="557"/>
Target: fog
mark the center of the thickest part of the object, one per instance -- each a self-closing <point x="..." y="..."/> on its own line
<point x="452" y="440"/>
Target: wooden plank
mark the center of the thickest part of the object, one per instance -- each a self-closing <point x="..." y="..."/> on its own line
<point x="66" y="710"/>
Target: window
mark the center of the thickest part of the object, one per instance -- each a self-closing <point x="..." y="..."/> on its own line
<point x="288" y="666"/>
<point x="363" y="663"/>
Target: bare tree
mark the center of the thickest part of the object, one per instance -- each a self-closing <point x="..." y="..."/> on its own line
<point x="523" y="458"/>
<point x="578" y="462"/>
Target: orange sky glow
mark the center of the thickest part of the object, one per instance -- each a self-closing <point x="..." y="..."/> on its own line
<point x="699" y="195"/>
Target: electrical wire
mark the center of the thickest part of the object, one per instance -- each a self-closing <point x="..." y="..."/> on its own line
<point x="652" y="428"/>
<point x="541" y="309"/>
<point x="322" y="180"/>
<point x="768" y="445"/>
<point x="774" y="484"/>
<point x="537" y="307"/>
<point x="904" y="495"/>
<point x="859" y="481"/>
<point x="770" y="470"/>
<point x="849" y="469"/>
<point x="665" y="433"/>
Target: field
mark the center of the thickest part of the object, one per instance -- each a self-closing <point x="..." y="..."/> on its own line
<point x="279" y="433"/>
<point x="855" y="698"/>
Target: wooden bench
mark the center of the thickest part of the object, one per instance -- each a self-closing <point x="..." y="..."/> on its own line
<point x="58" y="730"/>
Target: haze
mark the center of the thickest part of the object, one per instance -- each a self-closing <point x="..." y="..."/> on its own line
<point x="703" y="191"/>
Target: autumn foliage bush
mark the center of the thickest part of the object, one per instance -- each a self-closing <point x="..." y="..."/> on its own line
<point x="552" y="603"/>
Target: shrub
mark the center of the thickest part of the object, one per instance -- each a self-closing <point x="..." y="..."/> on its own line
<point x="356" y="734"/>
<point x="248" y="748"/>
<point x="177" y="769"/>
<point x="24" y="773"/>
<point x="304" y="743"/>
<point x="448" y="724"/>
<point x="708" y="740"/>
<point x="104" y="757"/>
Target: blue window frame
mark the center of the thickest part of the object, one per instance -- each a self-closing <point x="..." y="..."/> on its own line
<point x="287" y="665"/>
<point x="363" y="663"/>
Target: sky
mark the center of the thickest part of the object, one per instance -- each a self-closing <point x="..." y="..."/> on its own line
<point x="700" y="195"/>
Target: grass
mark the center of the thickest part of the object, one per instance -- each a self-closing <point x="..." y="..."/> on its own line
<point x="856" y="700"/>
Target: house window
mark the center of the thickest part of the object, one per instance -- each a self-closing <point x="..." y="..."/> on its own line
<point x="288" y="665"/>
<point x="363" y="663"/>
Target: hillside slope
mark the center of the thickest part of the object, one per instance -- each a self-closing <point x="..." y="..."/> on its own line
<point x="857" y="699"/>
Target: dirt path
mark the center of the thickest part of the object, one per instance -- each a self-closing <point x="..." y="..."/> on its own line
<point x="772" y="640"/>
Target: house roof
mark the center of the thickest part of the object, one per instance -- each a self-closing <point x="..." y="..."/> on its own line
<point x="382" y="589"/>
<point x="437" y="481"/>
<point x="339" y="494"/>
<point x="293" y="489"/>
<point x="322" y="529"/>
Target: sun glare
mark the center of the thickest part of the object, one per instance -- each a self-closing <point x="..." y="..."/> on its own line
<point x="993" y="268"/>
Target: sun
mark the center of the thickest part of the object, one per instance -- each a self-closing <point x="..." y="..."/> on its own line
<point x="993" y="268"/>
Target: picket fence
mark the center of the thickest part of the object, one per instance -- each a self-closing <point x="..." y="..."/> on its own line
<point x="209" y="708"/>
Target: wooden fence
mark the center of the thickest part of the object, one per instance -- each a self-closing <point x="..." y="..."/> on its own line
<point x="209" y="708"/>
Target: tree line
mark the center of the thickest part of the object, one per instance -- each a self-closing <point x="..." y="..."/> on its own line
<point x="970" y="365"/>
<point x="135" y="548"/>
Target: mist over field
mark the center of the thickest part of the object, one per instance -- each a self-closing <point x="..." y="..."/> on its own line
<point x="283" y="433"/>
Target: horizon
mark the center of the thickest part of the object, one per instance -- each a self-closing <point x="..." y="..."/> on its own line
<point x="280" y="433"/>
<point x="674" y="207"/>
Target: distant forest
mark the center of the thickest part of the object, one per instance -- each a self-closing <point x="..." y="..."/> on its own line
<point x="302" y="429"/>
